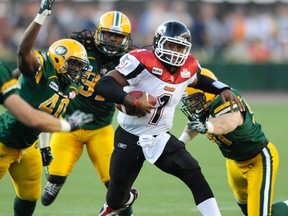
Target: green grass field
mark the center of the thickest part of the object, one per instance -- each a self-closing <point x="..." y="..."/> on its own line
<point x="161" y="194"/>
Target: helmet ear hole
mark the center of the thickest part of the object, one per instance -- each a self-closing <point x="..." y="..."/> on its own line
<point x="56" y="60"/>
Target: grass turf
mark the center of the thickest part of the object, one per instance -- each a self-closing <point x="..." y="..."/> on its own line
<point x="161" y="194"/>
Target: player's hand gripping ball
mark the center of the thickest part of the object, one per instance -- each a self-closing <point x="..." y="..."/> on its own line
<point x="131" y="110"/>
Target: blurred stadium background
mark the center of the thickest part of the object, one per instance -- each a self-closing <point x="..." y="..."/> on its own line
<point x="244" y="42"/>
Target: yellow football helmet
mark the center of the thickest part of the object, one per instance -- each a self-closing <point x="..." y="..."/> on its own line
<point x="113" y="23"/>
<point x="69" y="58"/>
<point x="196" y="103"/>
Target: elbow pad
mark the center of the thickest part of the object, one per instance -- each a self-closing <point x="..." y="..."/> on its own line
<point x="108" y="88"/>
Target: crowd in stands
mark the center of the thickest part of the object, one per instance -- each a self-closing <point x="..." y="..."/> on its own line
<point x="222" y="32"/>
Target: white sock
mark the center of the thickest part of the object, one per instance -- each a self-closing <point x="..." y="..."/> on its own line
<point x="209" y="207"/>
<point x="286" y="202"/>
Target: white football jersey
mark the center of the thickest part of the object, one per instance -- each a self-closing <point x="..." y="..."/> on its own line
<point x="145" y="72"/>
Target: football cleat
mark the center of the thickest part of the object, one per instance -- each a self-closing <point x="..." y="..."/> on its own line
<point x="107" y="211"/>
<point x="50" y="193"/>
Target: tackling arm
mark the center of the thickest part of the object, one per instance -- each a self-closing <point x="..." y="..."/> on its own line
<point x="226" y="123"/>
<point x="217" y="126"/>
<point x="44" y="121"/>
<point x="30" y="116"/>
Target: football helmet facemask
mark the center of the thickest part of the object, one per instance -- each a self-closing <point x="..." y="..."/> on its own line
<point x="117" y="24"/>
<point x="173" y="32"/>
<point x="196" y="103"/>
<point x="69" y="58"/>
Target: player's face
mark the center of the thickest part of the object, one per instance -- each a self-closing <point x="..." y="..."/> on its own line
<point x="113" y="40"/>
<point x="174" y="47"/>
<point x="75" y="67"/>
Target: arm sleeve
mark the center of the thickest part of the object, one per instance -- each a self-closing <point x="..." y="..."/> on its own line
<point x="108" y="88"/>
<point x="210" y="85"/>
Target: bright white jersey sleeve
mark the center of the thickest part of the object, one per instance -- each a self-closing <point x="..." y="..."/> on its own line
<point x="145" y="72"/>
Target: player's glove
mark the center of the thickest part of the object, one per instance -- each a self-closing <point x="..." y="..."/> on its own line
<point x="47" y="156"/>
<point x="78" y="119"/>
<point x="198" y="126"/>
<point x="45" y="8"/>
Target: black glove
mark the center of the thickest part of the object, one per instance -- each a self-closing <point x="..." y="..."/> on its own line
<point x="45" y="8"/>
<point x="47" y="156"/>
<point x="198" y="126"/>
<point x="78" y="119"/>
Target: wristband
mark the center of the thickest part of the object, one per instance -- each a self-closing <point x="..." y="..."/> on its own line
<point x="136" y="101"/>
<point x="65" y="126"/>
<point x="40" y="19"/>
<point x="185" y="138"/>
<point x="210" y="127"/>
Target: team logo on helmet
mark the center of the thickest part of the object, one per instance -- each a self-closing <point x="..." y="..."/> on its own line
<point x="61" y="50"/>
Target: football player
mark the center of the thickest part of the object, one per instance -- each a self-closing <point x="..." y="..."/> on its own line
<point x="105" y="46"/>
<point x="164" y="73"/>
<point x="251" y="159"/>
<point x="28" y="115"/>
<point x="48" y="81"/>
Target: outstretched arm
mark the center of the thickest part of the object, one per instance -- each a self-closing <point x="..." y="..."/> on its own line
<point x="27" y="61"/>
<point x="41" y="120"/>
<point x="217" y="126"/>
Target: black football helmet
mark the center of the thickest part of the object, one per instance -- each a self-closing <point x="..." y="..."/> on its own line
<point x="173" y="32"/>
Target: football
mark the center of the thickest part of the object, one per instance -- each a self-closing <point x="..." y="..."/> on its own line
<point x="130" y="110"/>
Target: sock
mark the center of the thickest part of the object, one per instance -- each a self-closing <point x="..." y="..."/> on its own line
<point x="209" y="207"/>
<point x="23" y="207"/>
<point x="243" y="207"/>
<point x="57" y="179"/>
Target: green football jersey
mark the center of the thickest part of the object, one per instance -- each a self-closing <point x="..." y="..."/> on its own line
<point x="246" y="140"/>
<point x="7" y="83"/>
<point x="89" y="102"/>
<point x="43" y="91"/>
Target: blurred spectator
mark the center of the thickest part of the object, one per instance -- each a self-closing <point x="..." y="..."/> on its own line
<point x="220" y="31"/>
<point x="151" y="18"/>
<point x="258" y="51"/>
